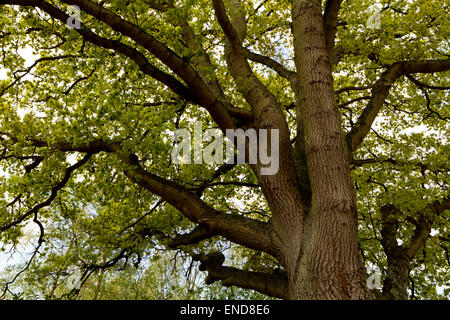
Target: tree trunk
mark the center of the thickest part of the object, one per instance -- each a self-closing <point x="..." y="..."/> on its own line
<point x="329" y="266"/>
<point x="313" y="230"/>
<point x="395" y="285"/>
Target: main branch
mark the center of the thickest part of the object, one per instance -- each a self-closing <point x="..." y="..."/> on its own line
<point x="381" y="90"/>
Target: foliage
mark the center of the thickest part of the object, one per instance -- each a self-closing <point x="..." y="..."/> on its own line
<point x="77" y="92"/>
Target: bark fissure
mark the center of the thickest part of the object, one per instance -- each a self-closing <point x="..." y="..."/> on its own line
<point x="399" y="256"/>
<point x="313" y="230"/>
<point x="330" y="266"/>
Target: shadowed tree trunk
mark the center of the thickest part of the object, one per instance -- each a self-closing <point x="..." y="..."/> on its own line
<point x="313" y="230"/>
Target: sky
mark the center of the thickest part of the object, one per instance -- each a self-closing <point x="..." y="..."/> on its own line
<point x="25" y="247"/>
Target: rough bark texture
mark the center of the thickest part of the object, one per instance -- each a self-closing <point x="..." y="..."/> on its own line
<point x="330" y="267"/>
<point x="313" y="231"/>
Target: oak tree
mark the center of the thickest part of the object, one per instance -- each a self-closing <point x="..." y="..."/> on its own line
<point x="361" y="108"/>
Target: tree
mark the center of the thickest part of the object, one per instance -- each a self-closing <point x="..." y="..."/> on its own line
<point x="87" y="163"/>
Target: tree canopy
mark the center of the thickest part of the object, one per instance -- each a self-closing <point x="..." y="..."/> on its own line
<point x="87" y="124"/>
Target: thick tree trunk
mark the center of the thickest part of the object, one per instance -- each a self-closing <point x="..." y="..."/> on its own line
<point x="395" y="285"/>
<point x="329" y="266"/>
<point x="313" y="231"/>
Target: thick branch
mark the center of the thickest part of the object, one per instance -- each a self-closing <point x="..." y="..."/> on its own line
<point x="424" y="223"/>
<point x="244" y="231"/>
<point x="238" y="229"/>
<point x="203" y="94"/>
<point x="399" y="256"/>
<point x="198" y="89"/>
<point x="275" y="284"/>
<point x="389" y="228"/>
<point x="280" y="189"/>
<point x="138" y="57"/>
<point x="200" y="233"/>
<point x="202" y="62"/>
<point x="53" y="194"/>
<point x="256" y="94"/>
<point x="272" y="64"/>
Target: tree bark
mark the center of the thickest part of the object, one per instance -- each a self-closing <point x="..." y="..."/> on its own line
<point x="329" y="266"/>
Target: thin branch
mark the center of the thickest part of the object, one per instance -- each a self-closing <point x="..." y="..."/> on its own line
<point x="177" y="64"/>
<point x="424" y="85"/>
<point x="78" y="81"/>
<point x="35" y="252"/>
<point x="424" y="88"/>
<point x="345" y="104"/>
<point x="351" y="88"/>
<point x="53" y="194"/>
